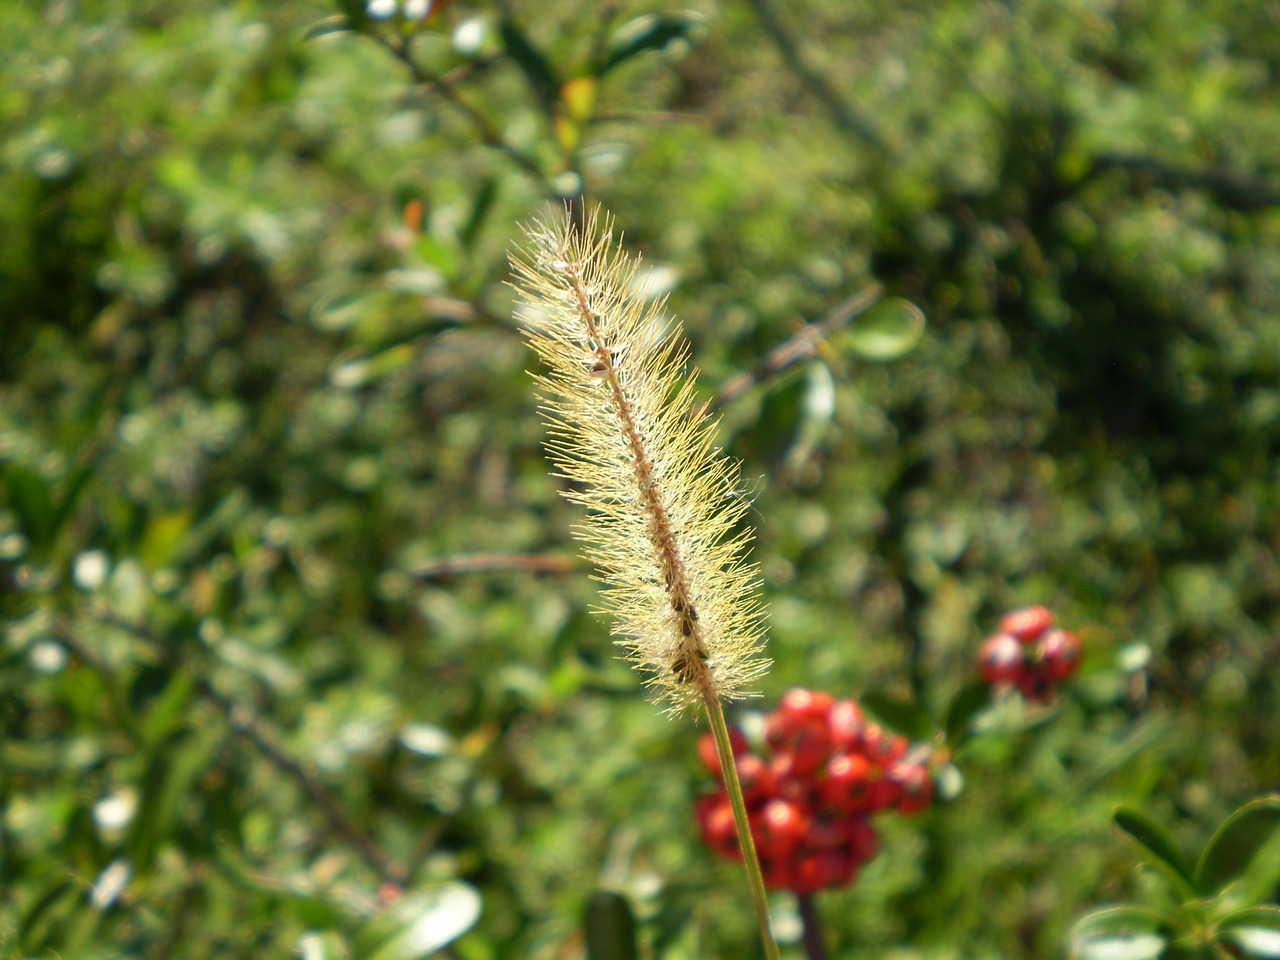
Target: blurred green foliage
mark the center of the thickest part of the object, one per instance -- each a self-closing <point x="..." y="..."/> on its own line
<point x="289" y="620"/>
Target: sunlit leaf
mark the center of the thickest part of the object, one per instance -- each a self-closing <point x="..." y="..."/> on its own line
<point x="1118" y="933"/>
<point x="1255" y="930"/>
<point x="649" y="33"/>
<point x="1155" y="840"/>
<point x="1231" y="849"/>
<point x="419" y="923"/>
<point x="889" y="330"/>
<point x="323" y="946"/>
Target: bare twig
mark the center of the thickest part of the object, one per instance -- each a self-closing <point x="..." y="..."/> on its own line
<point x="251" y="729"/>
<point x="490" y="134"/>
<point x="845" y="115"/>
<point x="1238" y="191"/>
<point x="800" y="347"/>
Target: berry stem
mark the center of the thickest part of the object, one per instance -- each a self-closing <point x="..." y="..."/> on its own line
<point x="815" y="947"/>
<point x="750" y="860"/>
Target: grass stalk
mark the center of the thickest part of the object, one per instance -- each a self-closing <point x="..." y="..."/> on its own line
<point x="750" y="859"/>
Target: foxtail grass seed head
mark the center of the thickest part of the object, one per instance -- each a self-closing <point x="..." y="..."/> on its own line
<point x="663" y="520"/>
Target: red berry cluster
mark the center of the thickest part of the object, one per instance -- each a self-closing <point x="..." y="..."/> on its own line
<point x="1030" y="653"/>
<point x="809" y="799"/>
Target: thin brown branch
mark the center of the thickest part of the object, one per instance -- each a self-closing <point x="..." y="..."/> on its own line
<point x="802" y="346"/>
<point x="253" y="731"/>
<point x="489" y="133"/>
<point x="1238" y="191"/>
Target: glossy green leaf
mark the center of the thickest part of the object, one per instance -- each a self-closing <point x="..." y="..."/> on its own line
<point x="1118" y="933"/>
<point x="327" y="27"/>
<point x="968" y="703"/>
<point x="1155" y="841"/>
<point x="419" y="924"/>
<point x="1255" y="930"/>
<point x="1231" y="849"/>
<point x="889" y="330"/>
<point x="610" y="927"/>
<point x="323" y="946"/>
<point x="648" y="33"/>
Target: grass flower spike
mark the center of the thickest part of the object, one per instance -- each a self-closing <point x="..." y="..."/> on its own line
<point x="663" y="525"/>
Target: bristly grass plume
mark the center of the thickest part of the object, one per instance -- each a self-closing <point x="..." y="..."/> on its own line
<point x="663" y="521"/>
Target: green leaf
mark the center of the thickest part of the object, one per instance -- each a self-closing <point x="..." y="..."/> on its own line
<point x="75" y="485"/>
<point x="31" y="498"/>
<point x="437" y="254"/>
<point x="534" y="65"/>
<point x="172" y="769"/>
<point x="1230" y="851"/>
<point x="900" y="714"/>
<point x="1255" y="930"/>
<point x="419" y="924"/>
<point x="968" y="703"/>
<point x="1119" y="933"/>
<point x="327" y="27"/>
<point x="889" y="330"/>
<point x="1155" y="840"/>
<point x="480" y="208"/>
<point x="48" y="915"/>
<point x="323" y="946"/>
<point x="610" y="927"/>
<point x="648" y="33"/>
<point x="163" y="539"/>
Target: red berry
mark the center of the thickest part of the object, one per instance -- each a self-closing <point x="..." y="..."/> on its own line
<point x="757" y="778"/>
<point x="715" y="817"/>
<point x="823" y="869"/>
<point x="847" y="785"/>
<point x="1035" y="684"/>
<point x="779" y="828"/>
<point x="828" y="833"/>
<point x="807" y="705"/>
<point x="805" y="739"/>
<point x="884" y="792"/>
<point x="845" y="722"/>
<point x="916" y="787"/>
<point x="880" y="746"/>
<point x="1001" y="658"/>
<point x="863" y="842"/>
<point x="1059" y="652"/>
<point x="1027" y="624"/>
